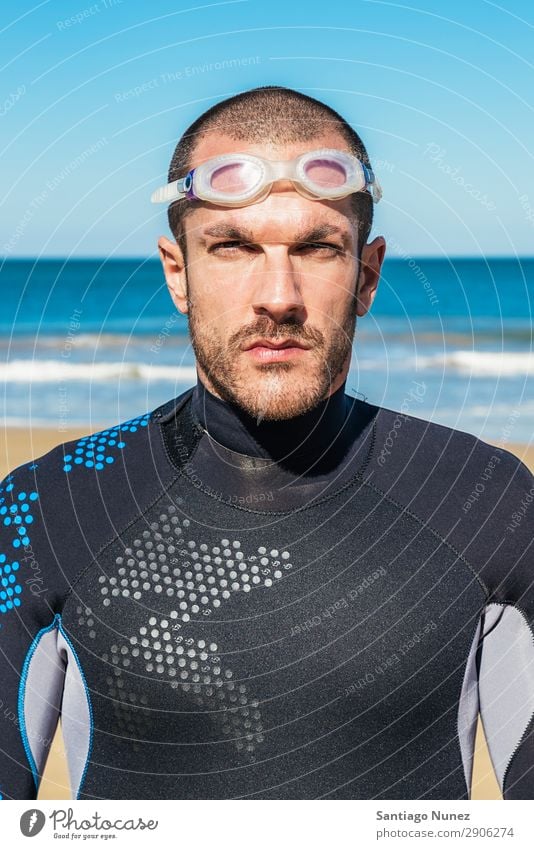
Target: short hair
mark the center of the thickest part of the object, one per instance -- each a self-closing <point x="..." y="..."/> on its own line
<point x="271" y="113"/>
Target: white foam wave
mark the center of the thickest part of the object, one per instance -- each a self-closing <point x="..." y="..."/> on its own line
<point x="469" y="363"/>
<point x="482" y="363"/>
<point x="55" y="371"/>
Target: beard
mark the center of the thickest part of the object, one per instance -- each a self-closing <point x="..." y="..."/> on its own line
<point x="272" y="391"/>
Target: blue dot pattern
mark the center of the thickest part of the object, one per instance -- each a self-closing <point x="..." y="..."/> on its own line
<point x="102" y="449"/>
<point x="10" y="589"/>
<point x="17" y="518"/>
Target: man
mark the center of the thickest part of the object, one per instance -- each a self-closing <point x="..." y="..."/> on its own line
<point x="266" y="588"/>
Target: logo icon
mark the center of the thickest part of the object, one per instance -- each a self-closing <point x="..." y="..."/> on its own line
<point x="31" y="822"/>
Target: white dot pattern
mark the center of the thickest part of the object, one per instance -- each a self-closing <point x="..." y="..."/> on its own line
<point x="132" y="718"/>
<point x="165" y="562"/>
<point x="196" y="577"/>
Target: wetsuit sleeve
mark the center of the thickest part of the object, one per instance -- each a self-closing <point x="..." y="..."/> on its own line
<point x="506" y="653"/>
<point x="32" y="663"/>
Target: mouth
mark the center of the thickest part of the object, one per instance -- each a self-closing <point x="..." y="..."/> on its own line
<point x="269" y="350"/>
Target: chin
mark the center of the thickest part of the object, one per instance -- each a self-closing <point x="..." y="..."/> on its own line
<point x="274" y="393"/>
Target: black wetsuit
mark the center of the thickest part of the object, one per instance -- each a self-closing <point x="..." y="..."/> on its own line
<point x="314" y="608"/>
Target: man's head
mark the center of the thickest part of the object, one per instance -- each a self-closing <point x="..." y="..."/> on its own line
<point x="286" y="271"/>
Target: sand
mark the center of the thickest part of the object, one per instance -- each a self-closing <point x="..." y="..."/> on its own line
<point x="19" y="445"/>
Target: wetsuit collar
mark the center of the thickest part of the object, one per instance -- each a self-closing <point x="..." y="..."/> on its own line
<point x="314" y="434"/>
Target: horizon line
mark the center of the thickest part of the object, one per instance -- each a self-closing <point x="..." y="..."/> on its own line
<point x="96" y="257"/>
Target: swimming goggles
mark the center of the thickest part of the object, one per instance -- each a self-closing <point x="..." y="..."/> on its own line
<point x="238" y="179"/>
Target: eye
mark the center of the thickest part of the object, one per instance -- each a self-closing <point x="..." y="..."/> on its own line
<point x="324" y="248"/>
<point x="230" y="246"/>
<point x="225" y="244"/>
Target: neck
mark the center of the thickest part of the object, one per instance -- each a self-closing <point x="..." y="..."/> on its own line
<point x="313" y="438"/>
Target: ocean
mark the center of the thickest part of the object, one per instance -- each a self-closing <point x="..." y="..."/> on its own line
<point x="92" y="342"/>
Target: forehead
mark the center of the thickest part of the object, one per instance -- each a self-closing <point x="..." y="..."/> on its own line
<point x="281" y="217"/>
<point x="214" y="143"/>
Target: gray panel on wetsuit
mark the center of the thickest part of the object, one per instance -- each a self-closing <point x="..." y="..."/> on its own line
<point x="76" y="719"/>
<point x="40" y="697"/>
<point x="506" y="682"/>
<point x="468" y="710"/>
<point x="54" y="683"/>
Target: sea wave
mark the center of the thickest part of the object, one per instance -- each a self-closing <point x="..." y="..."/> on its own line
<point x="466" y="363"/>
<point x="481" y="363"/>
<point x="57" y="371"/>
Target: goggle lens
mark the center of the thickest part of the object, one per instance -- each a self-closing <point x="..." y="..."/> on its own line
<point x="326" y="173"/>
<point x="234" y="178"/>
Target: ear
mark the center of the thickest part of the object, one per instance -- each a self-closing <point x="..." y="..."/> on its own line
<point x="174" y="269"/>
<point x="369" y="275"/>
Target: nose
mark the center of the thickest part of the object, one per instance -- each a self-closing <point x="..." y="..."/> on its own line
<point x="276" y="289"/>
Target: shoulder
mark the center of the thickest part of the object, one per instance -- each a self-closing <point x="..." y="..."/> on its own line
<point x="81" y="463"/>
<point x="479" y="497"/>
<point x="64" y="505"/>
<point x="417" y="449"/>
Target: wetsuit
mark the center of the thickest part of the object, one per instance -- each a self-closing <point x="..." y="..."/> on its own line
<point x="221" y="608"/>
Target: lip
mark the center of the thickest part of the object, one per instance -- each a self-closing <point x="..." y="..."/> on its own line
<point x="265" y="351"/>
<point x="276" y="346"/>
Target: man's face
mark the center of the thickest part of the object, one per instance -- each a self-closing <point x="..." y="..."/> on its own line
<point x="271" y="289"/>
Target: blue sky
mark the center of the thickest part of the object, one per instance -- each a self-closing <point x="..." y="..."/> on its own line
<point x="96" y="95"/>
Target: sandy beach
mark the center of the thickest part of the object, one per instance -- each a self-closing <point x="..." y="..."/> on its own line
<point x="19" y="445"/>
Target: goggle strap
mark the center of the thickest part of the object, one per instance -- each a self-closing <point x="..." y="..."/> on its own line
<point x="170" y="192"/>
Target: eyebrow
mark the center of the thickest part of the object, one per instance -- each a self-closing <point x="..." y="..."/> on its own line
<point x="322" y="231"/>
<point x="228" y="231"/>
